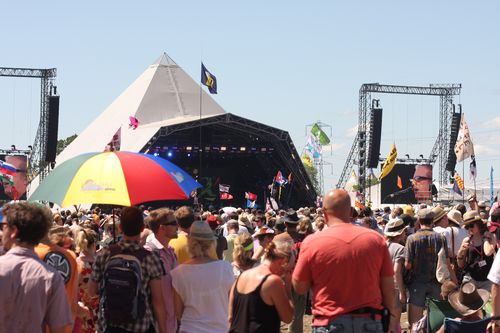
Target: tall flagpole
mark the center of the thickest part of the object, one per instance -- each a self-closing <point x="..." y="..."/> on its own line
<point x="463" y="179"/>
<point x="200" y="150"/>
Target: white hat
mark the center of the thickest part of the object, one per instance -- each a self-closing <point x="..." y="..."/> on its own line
<point x="395" y="227"/>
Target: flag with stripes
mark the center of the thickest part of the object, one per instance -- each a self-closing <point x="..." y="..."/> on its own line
<point x="459" y="181"/>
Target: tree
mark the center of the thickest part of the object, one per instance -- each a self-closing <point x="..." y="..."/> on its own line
<point x="313" y="176"/>
<point x="63" y="143"/>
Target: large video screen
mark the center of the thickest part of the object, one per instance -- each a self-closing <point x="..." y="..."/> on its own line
<point x="392" y="192"/>
<point x="13" y="176"/>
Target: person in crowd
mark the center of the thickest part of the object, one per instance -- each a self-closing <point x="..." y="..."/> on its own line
<point x="164" y="227"/>
<point x="319" y="223"/>
<point x="279" y="227"/>
<point x="51" y="251"/>
<point x="17" y="188"/>
<point x="220" y="239"/>
<point x="468" y="301"/>
<point x="202" y="307"/>
<point x="86" y="318"/>
<point x="477" y="251"/>
<point x="32" y="295"/>
<point x="387" y="213"/>
<point x="395" y="234"/>
<point x="119" y="293"/>
<point x="262" y="238"/>
<point x="242" y="254"/>
<point x="366" y="222"/>
<point x="421" y="258"/>
<point x="361" y="255"/>
<point x="305" y="227"/>
<point x="258" y="221"/>
<point x="299" y="301"/>
<point x="185" y="217"/>
<point x="261" y="297"/>
<point x="232" y="229"/>
<point x="494" y="277"/>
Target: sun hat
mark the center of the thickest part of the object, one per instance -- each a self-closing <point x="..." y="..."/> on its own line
<point x="201" y="231"/>
<point x="395" y="227"/>
<point x="408" y="210"/>
<point x="425" y="214"/>
<point x="468" y="299"/>
<point x="263" y="231"/>
<point x="455" y="216"/>
<point x="471" y="216"/>
<point x="439" y="213"/>
<point x="291" y="217"/>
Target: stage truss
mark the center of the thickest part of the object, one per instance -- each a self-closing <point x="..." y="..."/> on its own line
<point x="359" y="149"/>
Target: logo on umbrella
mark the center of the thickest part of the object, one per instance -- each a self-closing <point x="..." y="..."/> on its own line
<point x="178" y="176"/>
<point x="91" y="186"/>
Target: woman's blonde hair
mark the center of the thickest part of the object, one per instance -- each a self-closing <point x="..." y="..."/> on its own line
<point x="240" y="255"/>
<point x="278" y="250"/>
<point x="199" y="248"/>
<point x="85" y="239"/>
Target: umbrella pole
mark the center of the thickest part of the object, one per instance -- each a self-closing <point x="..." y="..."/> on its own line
<point x="114" y="225"/>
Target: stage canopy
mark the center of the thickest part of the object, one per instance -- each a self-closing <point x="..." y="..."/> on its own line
<point x="236" y="151"/>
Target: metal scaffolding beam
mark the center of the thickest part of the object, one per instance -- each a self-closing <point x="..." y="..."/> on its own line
<point x="357" y="155"/>
<point x="37" y="163"/>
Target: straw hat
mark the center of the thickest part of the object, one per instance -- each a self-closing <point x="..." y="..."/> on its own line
<point x="455" y="216"/>
<point x="201" y="231"/>
<point x="263" y="231"/>
<point x="471" y="216"/>
<point x="395" y="227"/>
<point x="468" y="299"/>
<point x="439" y="213"/>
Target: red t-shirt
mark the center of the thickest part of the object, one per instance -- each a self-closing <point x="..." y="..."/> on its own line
<point x="345" y="264"/>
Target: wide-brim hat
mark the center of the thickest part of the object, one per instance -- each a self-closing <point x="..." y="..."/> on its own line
<point x="455" y="216"/>
<point x="201" y="231"/>
<point x="468" y="299"/>
<point x="395" y="227"/>
<point x="471" y="216"/>
<point x="291" y="217"/>
<point x="439" y="213"/>
<point x="263" y="231"/>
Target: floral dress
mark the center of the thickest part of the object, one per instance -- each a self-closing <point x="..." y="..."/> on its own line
<point x="84" y="322"/>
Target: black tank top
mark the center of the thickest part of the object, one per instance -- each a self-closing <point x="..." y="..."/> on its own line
<point x="251" y="314"/>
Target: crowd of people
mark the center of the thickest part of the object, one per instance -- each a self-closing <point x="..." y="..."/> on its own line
<point x="140" y="269"/>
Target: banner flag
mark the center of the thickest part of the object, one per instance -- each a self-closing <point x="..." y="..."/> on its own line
<point x="320" y="134"/>
<point x="208" y="79"/>
<point x="464" y="148"/>
<point x="389" y="162"/>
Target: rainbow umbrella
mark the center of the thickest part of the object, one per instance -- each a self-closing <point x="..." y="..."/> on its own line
<point x="117" y="178"/>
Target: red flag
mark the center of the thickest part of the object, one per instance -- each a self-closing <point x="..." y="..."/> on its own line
<point x="225" y="196"/>
<point x="250" y="196"/>
<point x="400" y="183"/>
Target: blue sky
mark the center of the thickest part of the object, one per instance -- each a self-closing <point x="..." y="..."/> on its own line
<point x="283" y="63"/>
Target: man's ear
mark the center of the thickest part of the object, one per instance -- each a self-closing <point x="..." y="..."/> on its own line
<point x="13" y="232"/>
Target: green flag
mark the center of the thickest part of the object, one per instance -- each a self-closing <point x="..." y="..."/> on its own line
<point x="318" y="132"/>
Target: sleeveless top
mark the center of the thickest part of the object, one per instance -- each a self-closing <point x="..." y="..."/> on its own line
<point x="478" y="264"/>
<point x="251" y="314"/>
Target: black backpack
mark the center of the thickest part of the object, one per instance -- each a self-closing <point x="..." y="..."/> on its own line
<point x="122" y="295"/>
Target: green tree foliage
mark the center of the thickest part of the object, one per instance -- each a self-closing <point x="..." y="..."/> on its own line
<point x="313" y="176"/>
<point x="63" y="143"/>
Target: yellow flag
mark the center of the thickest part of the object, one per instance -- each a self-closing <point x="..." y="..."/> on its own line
<point x="307" y="160"/>
<point x="389" y="162"/>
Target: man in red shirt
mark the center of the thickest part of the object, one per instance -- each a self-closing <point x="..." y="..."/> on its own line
<point x="349" y="270"/>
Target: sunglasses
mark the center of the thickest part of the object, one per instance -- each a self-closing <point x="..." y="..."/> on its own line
<point x="470" y="226"/>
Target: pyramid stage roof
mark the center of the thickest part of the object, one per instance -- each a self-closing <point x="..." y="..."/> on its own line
<point x="234" y="150"/>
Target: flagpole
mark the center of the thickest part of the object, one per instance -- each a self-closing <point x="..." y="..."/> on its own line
<point x="200" y="150"/>
<point x="463" y="178"/>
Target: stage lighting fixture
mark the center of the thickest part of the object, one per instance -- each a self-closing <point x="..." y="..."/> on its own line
<point x="223" y="148"/>
<point x="407" y="156"/>
<point x="13" y="147"/>
<point x="243" y="148"/>
<point x="253" y="149"/>
<point x="189" y="154"/>
<point x="156" y="154"/>
<point x="263" y="149"/>
<point x="207" y="148"/>
<point x="30" y="147"/>
<point x="169" y="154"/>
<point x="421" y="156"/>
<point x="189" y="148"/>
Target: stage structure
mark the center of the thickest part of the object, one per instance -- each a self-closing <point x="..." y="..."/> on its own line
<point x="360" y="146"/>
<point x="178" y="120"/>
<point x="38" y="157"/>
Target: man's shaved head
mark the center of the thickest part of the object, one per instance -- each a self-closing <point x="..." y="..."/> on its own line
<point x="337" y="204"/>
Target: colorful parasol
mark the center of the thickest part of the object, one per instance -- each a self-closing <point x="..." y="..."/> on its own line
<point x="118" y="178"/>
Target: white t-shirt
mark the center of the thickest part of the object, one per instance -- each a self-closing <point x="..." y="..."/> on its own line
<point x="494" y="275"/>
<point x="459" y="235"/>
<point x="204" y="290"/>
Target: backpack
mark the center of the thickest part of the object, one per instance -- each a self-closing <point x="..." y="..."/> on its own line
<point x="123" y="297"/>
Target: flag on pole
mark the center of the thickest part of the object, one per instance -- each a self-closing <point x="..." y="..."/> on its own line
<point x="7" y="168"/>
<point x="492" y="189"/>
<point x="464" y="148"/>
<point x="280" y="180"/>
<point x="459" y="181"/>
<point x="250" y="204"/>
<point x="312" y="147"/>
<point x="456" y="189"/>
<point x="224" y="188"/>
<point x="389" y="162"/>
<point x="320" y="134"/>
<point x="225" y="196"/>
<point x="351" y="182"/>
<point x="400" y="183"/>
<point x="306" y="159"/>
<point x="472" y="167"/>
<point x="208" y="79"/>
<point x="250" y="196"/>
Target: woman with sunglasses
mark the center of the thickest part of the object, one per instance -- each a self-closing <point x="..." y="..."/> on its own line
<point x="477" y="251"/>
